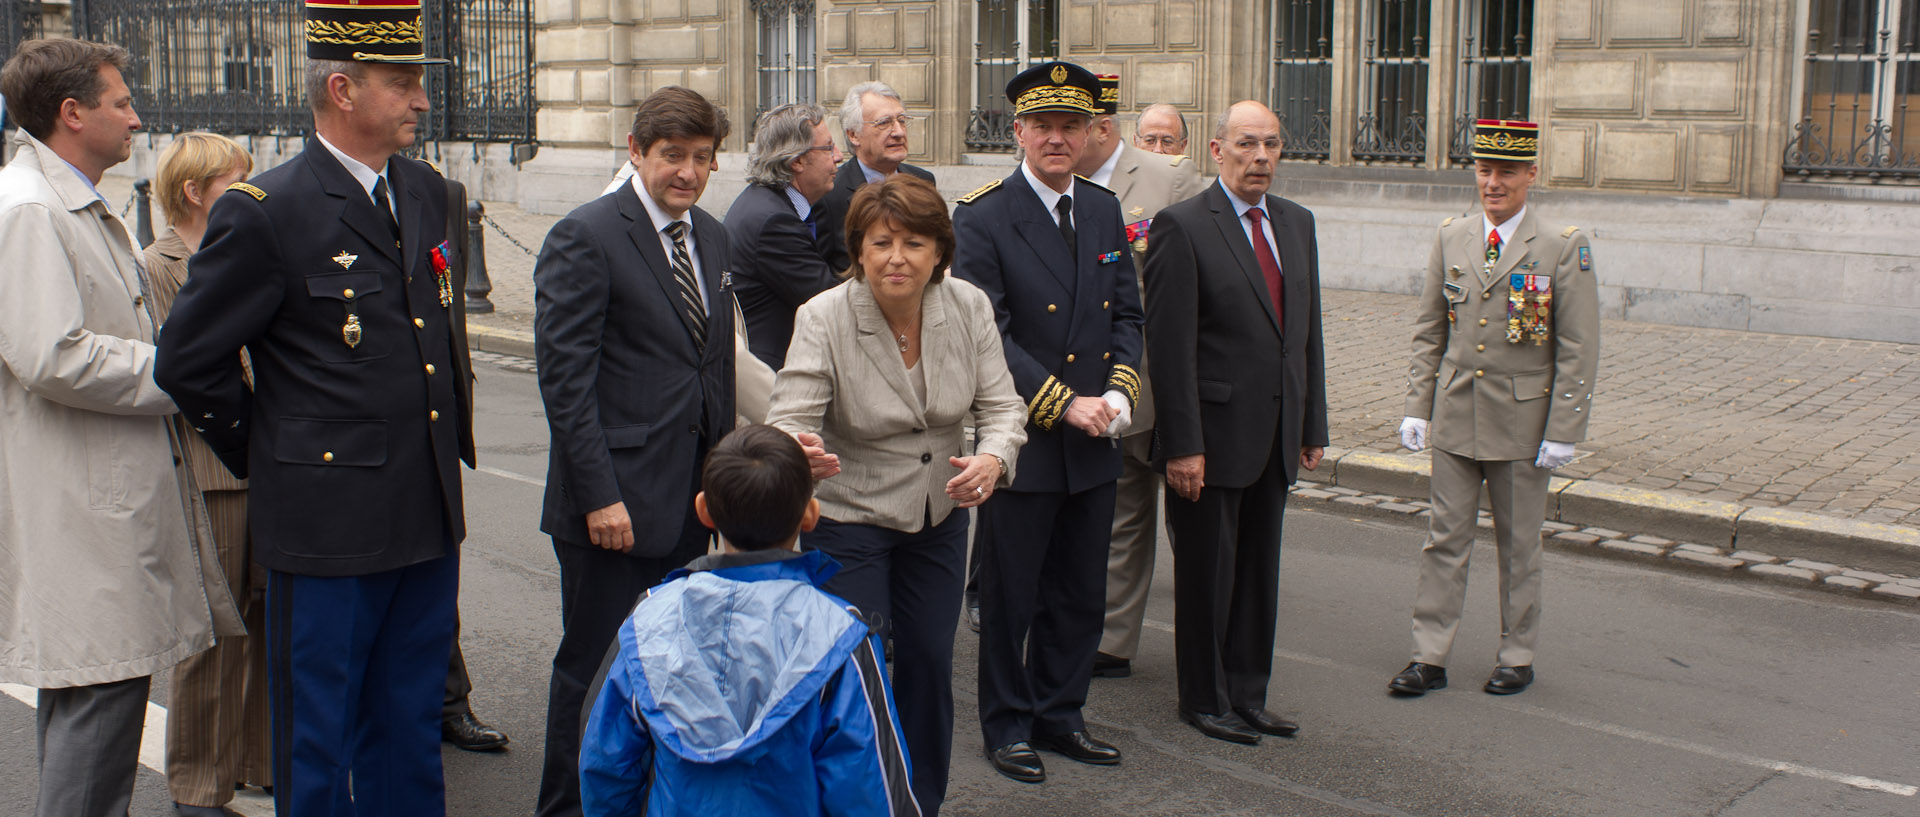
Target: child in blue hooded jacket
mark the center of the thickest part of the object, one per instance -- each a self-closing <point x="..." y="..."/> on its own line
<point x="737" y="686"/>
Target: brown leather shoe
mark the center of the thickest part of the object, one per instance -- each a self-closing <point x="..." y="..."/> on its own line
<point x="1508" y="680"/>
<point x="1418" y="679"/>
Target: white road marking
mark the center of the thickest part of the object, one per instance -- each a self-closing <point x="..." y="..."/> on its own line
<point x="1729" y="756"/>
<point x="153" y="750"/>
<point x="505" y="474"/>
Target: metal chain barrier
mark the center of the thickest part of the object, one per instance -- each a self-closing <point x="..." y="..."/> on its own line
<point x="504" y="234"/>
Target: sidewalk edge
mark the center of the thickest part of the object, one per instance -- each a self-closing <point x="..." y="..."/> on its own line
<point x="499" y="341"/>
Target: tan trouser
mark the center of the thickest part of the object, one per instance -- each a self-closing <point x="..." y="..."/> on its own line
<point x="217" y="728"/>
<point x="1517" y="491"/>
<point x="1136" y="535"/>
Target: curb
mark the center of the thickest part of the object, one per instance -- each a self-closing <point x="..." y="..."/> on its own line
<point x="500" y="341"/>
<point x="1729" y="525"/>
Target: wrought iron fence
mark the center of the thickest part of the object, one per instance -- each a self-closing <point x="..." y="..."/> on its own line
<point x="1857" y="118"/>
<point x="1009" y="35"/>
<point x="1393" y="82"/>
<point x="237" y="66"/>
<point x="19" y="20"/>
<point x="1496" y="68"/>
<point x="1303" y="76"/>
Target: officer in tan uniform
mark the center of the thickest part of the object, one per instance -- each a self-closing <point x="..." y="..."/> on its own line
<point x="1504" y="354"/>
<point x="1144" y="182"/>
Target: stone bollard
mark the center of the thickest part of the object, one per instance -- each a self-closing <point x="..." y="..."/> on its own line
<point x="478" y="284"/>
<point x="143" y="211"/>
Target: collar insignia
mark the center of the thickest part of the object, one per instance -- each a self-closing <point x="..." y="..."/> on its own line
<point x="345" y="259"/>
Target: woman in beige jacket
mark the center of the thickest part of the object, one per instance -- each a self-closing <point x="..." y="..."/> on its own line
<point x="886" y="369"/>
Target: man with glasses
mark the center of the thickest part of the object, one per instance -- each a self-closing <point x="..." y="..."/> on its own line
<point x="1161" y="129"/>
<point x="876" y="124"/>
<point x="774" y="225"/>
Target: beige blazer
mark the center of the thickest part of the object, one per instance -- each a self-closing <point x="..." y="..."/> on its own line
<point x="1489" y="397"/>
<point x="845" y="381"/>
<point x="165" y="261"/>
<point x="1145" y="182"/>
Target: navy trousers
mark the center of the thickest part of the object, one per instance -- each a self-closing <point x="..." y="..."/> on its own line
<point x="909" y="582"/>
<point x="356" y="668"/>
<point x="1043" y="598"/>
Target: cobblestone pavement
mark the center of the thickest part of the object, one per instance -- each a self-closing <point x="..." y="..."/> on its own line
<point x="1814" y="424"/>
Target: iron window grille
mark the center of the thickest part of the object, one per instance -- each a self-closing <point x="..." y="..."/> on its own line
<point x="1496" y="68"/>
<point x="1302" y="92"/>
<point x="1393" y="82"/>
<point x="19" y="20"/>
<point x="1857" y="119"/>
<point x="787" y="66"/>
<point x="1009" y="35"/>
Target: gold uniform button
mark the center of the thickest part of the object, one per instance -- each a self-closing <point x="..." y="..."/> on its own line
<point x="1069" y="358"/>
<point x="1479" y="372"/>
<point x="347" y="292"/>
<point x="1105" y="304"/>
<point x="419" y="324"/>
<point x="326" y="457"/>
<point x="434" y="416"/>
<point x="1483" y="321"/>
<point x="1052" y="308"/>
<point x="429" y="368"/>
<point x="1480" y="348"/>
<point x="1107" y="356"/>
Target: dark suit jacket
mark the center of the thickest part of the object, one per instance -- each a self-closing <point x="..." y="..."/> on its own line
<point x="833" y="209"/>
<point x="352" y="451"/>
<point x="1070" y="325"/>
<point x="630" y="396"/>
<point x="1224" y="380"/>
<point x="777" y="266"/>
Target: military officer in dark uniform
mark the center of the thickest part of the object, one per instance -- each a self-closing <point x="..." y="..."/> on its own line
<point x="331" y="272"/>
<point x="1048" y="249"/>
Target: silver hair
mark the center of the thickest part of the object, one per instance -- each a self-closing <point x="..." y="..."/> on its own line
<point x="853" y="111"/>
<point x="319" y="70"/>
<point x="781" y="136"/>
<point x="1162" y="107"/>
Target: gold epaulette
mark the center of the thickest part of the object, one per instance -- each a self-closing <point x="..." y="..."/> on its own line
<point x="1049" y="403"/>
<point x="255" y="192"/>
<point x="436" y="168"/>
<point x="980" y="191"/>
<point x="1126" y="381"/>
<point x="1569" y="231"/>
<point x="1092" y="182"/>
<point x="1177" y="160"/>
<point x="1447" y="222"/>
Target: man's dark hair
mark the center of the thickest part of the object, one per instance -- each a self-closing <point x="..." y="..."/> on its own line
<point x="674" y="112"/>
<point x="757" y="483"/>
<point x="44" y="73"/>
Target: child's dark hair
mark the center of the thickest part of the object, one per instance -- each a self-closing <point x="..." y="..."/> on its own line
<point x="757" y="484"/>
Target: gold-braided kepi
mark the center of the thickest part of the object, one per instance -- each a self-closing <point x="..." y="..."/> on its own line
<point x="1109" y="102"/>
<point x="1054" y="86"/>
<point x="367" y="31"/>
<point x="1506" y="139"/>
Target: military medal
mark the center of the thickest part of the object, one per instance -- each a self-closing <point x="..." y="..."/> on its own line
<point x="442" y="275"/>
<point x="1453" y="273"/>
<point x="345" y="259"/>
<point x="350" y="331"/>
<point x="1529" y="307"/>
<point x="1137" y="233"/>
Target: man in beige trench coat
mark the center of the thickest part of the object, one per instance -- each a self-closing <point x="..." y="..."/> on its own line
<point x="1504" y="354"/>
<point x="104" y="580"/>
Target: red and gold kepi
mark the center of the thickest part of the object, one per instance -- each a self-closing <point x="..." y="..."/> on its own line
<point x="1506" y="139"/>
<point x="1109" y="102"/>
<point x="367" y="31"/>
<point x="1054" y="86"/>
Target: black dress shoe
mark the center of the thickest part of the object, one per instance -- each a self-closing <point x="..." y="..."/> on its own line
<point x="1418" y="679"/>
<point x="973" y="617"/>
<point x="1111" y="666"/>
<point x="1508" y="680"/>
<point x="185" y="810"/>
<point x="1263" y="721"/>
<point x="1221" y="727"/>
<point x="1079" y="746"/>
<point x="467" y="732"/>
<point x="1018" y="761"/>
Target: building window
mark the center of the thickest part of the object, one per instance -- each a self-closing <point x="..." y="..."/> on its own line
<point x="1303" y="76"/>
<point x="1496" y="68"/>
<point x="1393" y="81"/>
<point x="1009" y="35"/>
<point x="248" y="66"/>
<point x="1857" y="117"/>
<point x="787" y="63"/>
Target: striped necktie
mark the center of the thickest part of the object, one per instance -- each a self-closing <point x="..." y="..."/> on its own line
<point x="690" y="301"/>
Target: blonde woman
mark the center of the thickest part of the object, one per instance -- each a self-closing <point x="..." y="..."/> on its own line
<point x="217" y="725"/>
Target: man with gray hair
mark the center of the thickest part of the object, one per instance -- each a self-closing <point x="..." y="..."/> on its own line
<point x="1161" y="129"/>
<point x="773" y="226"/>
<point x="876" y="124"/>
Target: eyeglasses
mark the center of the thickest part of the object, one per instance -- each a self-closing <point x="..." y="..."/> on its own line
<point x="827" y="146"/>
<point x="903" y="120"/>
<point x="1162" y="141"/>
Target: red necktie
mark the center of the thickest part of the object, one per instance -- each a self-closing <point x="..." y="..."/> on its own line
<point x="1493" y="245"/>
<point x="1269" y="268"/>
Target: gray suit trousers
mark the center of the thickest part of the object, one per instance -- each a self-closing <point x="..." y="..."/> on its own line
<point x="90" y="747"/>
<point x="1517" y="492"/>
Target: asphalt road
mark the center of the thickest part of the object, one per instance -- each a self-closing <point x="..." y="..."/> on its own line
<point x="1660" y="693"/>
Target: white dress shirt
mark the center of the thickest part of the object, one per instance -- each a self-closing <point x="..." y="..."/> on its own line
<point x="1506" y="228"/>
<point x="1104" y="175"/>
<point x="1240" y="209"/>
<point x="1049" y="198"/>
<point x="660" y="222"/>
<point x="366" y="176"/>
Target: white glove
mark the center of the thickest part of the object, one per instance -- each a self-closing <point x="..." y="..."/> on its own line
<point x="1413" y="434"/>
<point x="1122" y="421"/>
<point x="1553" y="455"/>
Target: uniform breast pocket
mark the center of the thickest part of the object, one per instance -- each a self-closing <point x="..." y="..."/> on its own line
<point x="344" y="303"/>
<point x="1532" y="385"/>
<point x="331" y="443"/>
